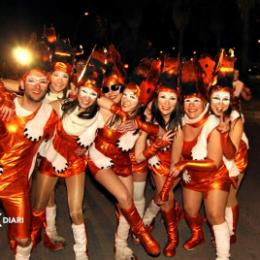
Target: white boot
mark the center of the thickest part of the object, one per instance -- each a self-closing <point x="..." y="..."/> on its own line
<point x="51" y="229"/>
<point x="150" y="213"/>
<point x="80" y="246"/>
<point x="122" y="251"/>
<point x="229" y="219"/>
<point x="23" y="253"/>
<point x="222" y="238"/>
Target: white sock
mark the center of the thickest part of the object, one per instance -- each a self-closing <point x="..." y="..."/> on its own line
<point x="222" y="239"/>
<point x="151" y="213"/>
<point x="23" y="253"/>
<point x="80" y="237"/>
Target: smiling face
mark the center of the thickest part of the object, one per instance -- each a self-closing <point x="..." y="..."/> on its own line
<point x="167" y="101"/>
<point x="193" y="106"/>
<point x="220" y="101"/>
<point x="59" y="81"/>
<point x="87" y="97"/>
<point x="35" y="85"/>
<point x="129" y="101"/>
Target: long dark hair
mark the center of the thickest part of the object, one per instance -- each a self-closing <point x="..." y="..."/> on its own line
<point x="69" y="106"/>
<point x="175" y="117"/>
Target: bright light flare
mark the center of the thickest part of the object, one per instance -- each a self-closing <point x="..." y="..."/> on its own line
<point x="22" y="55"/>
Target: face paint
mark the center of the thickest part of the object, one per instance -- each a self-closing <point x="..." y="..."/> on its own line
<point x="221" y="97"/>
<point x="88" y="92"/>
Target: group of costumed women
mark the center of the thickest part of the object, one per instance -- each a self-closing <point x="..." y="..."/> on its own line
<point x="176" y="119"/>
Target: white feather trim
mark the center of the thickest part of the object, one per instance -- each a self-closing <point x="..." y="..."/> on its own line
<point x="199" y="151"/>
<point x="34" y="128"/>
<point x="186" y="177"/>
<point x="88" y="136"/>
<point x="127" y="141"/>
<point x="59" y="163"/>
<point x="154" y="161"/>
<point x="233" y="171"/>
<point x="100" y="160"/>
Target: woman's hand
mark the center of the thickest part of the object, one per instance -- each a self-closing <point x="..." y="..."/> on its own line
<point x="166" y="139"/>
<point x="224" y="125"/>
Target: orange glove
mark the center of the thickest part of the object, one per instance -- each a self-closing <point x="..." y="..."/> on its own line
<point x="229" y="150"/>
<point x="152" y="149"/>
<point x="149" y="128"/>
<point x="116" y="109"/>
<point x="194" y="165"/>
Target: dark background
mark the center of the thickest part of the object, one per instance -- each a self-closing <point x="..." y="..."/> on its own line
<point x="138" y="28"/>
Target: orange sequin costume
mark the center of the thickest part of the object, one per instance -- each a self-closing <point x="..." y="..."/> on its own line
<point x="17" y="160"/>
<point x="161" y="161"/>
<point x="106" y="143"/>
<point x="204" y="181"/>
<point x="67" y="146"/>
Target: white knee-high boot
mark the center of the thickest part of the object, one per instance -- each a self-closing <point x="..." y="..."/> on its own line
<point x="23" y="253"/>
<point x="222" y="238"/>
<point x="150" y="213"/>
<point x="122" y="251"/>
<point x="51" y="229"/>
<point x="80" y="237"/>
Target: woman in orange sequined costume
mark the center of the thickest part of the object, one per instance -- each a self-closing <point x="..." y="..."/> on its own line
<point x="166" y="113"/>
<point x="109" y="163"/>
<point x="65" y="156"/>
<point x="234" y="141"/>
<point x="21" y="137"/>
<point x="205" y="176"/>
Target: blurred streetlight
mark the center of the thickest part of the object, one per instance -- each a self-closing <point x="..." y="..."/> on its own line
<point x="22" y="55"/>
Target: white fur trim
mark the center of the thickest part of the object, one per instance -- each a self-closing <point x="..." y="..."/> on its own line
<point x="199" y="151"/>
<point x="88" y="136"/>
<point x="34" y="128"/>
<point x="231" y="167"/>
<point x="186" y="177"/>
<point x="127" y="141"/>
<point x="59" y="163"/>
<point x="153" y="161"/>
<point x="100" y="160"/>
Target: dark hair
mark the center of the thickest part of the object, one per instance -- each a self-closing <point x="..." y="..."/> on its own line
<point x="175" y="117"/>
<point x="88" y="113"/>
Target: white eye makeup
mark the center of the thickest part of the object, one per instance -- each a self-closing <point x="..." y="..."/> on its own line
<point x="87" y="92"/>
<point x="167" y="96"/>
<point x="221" y="97"/>
<point x="130" y="95"/>
<point x="34" y="80"/>
<point x="192" y="100"/>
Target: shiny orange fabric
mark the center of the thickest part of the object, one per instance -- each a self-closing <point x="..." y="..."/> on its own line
<point x="241" y="157"/>
<point x="17" y="205"/>
<point x="67" y="146"/>
<point x="105" y="142"/>
<point x="17" y="151"/>
<point x="205" y="181"/>
<point x="165" y="161"/>
<point x="138" y="167"/>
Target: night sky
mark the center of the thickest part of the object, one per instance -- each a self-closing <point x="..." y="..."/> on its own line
<point x="137" y="28"/>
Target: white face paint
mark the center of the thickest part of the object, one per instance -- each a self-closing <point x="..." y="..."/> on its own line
<point x="88" y="92"/>
<point x="218" y="97"/>
<point x="130" y="95"/>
